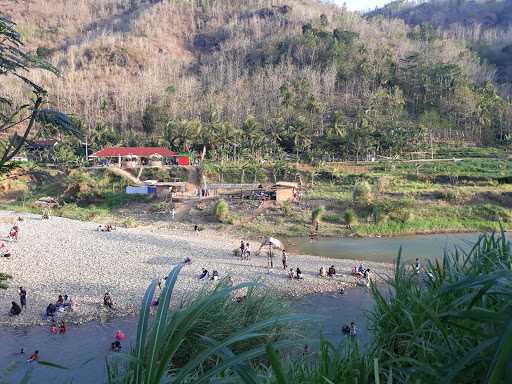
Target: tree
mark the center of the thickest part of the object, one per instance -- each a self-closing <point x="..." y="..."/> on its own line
<point x="16" y="63"/>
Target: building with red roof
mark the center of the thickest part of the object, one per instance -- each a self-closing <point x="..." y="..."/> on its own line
<point x="134" y="152"/>
<point x="131" y="157"/>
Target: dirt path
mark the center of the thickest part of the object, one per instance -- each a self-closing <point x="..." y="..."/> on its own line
<point x="124" y="174"/>
<point x="265" y="204"/>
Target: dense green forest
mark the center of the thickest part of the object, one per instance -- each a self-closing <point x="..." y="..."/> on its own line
<point x="258" y="79"/>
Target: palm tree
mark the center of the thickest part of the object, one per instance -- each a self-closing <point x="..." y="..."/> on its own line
<point x="16" y="63"/>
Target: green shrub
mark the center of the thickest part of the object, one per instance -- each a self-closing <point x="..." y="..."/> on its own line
<point x="129" y="222"/>
<point x="317" y="214"/>
<point x="159" y="207"/>
<point x="221" y="211"/>
<point x="402" y="215"/>
<point x="332" y="218"/>
<point x="377" y="214"/>
<point x="287" y="208"/>
<point x="450" y="195"/>
<point x="190" y="337"/>
<point x="3" y="278"/>
<point x="350" y="217"/>
<point x="362" y="193"/>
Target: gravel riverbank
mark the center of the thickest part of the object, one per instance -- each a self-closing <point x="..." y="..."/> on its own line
<point x="63" y="256"/>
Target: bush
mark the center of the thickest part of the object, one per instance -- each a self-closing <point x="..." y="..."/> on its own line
<point x="349" y="217"/>
<point x="450" y="195"/>
<point x="287" y="208"/>
<point x="159" y="207"/>
<point x="332" y="218"/>
<point x="221" y="211"/>
<point x="129" y="222"/>
<point x="383" y="184"/>
<point x="317" y="214"/>
<point x="3" y="278"/>
<point x="402" y="215"/>
<point x="362" y="193"/>
<point x="377" y="214"/>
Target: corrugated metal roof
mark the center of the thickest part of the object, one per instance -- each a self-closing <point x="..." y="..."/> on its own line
<point x="134" y="151"/>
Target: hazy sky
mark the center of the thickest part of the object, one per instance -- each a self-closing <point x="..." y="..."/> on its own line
<point x="361" y="5"/>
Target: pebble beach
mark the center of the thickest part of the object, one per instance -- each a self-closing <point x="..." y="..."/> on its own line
<point x="62" y="256"/>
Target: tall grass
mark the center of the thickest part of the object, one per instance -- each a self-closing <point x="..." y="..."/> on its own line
<point x="452" y="324"/>
<point x="221" y="211"/>
<point x="186" y="344"/>
<point x="362" y="193"/>
<point x="316" y="214"/>
<point x="332" y="364"/>
<point x="349" y="216"/>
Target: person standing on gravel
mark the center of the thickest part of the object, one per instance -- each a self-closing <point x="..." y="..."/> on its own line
<point x="107" y="301"/>
<point x="23" y="297"/>
<point x="285" y="260"/>
<point x="242" y="249"/>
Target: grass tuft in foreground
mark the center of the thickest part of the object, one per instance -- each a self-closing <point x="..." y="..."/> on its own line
<point x="206" y="337"/>
<point x="452" y="324"/>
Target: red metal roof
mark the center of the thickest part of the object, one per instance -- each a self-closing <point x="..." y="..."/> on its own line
<point x="134" y="151"/>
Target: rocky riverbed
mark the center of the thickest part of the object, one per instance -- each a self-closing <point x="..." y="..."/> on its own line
<point x="63" y="256"/>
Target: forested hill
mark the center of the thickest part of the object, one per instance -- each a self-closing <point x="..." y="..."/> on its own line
<point x="258" y="77"/>
<point x="485" y="24"/>
<point x="444" y="13"/>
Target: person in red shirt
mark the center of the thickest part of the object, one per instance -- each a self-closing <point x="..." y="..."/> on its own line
<point x="34" y="357"/>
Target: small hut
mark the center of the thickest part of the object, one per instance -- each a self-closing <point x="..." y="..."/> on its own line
<point x="285" y="191"/>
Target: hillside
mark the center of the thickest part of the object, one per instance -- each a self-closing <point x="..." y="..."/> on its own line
<point x="258" y="78"/>
<point x="486" y="24"/>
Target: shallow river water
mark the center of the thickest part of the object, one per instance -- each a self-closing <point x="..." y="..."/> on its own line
<point x="83" y="349"/>
<point x="385" y="249"/>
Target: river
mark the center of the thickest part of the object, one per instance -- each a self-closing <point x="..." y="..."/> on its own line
<point x="83" y="349"/>
<point x="425" y="247"/>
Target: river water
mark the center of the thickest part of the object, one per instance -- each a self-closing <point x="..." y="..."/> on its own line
<point x="385" y="249"/>
<point x="83" y="349"/>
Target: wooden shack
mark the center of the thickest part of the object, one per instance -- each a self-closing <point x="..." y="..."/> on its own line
<point x="167" y="190"/>
<point x="285" y="191"/>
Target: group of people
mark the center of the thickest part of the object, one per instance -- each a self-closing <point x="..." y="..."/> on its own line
<point x="363" y="274"/>
<point x="63" y="303"/>
<point x="245" y="250"/>
<point x="14" y="233"/>
<point x="361" y="271"/>
<point x="331" y="272"/>
<point x="295" y="274"/>
<point x="4" y="250"/>
<point x="350" y="329"/>
<point x="15" y="308"/>
<point x="58" y="328"/>
<point x="206" y="274"/>
<point x="105" y="228"/>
